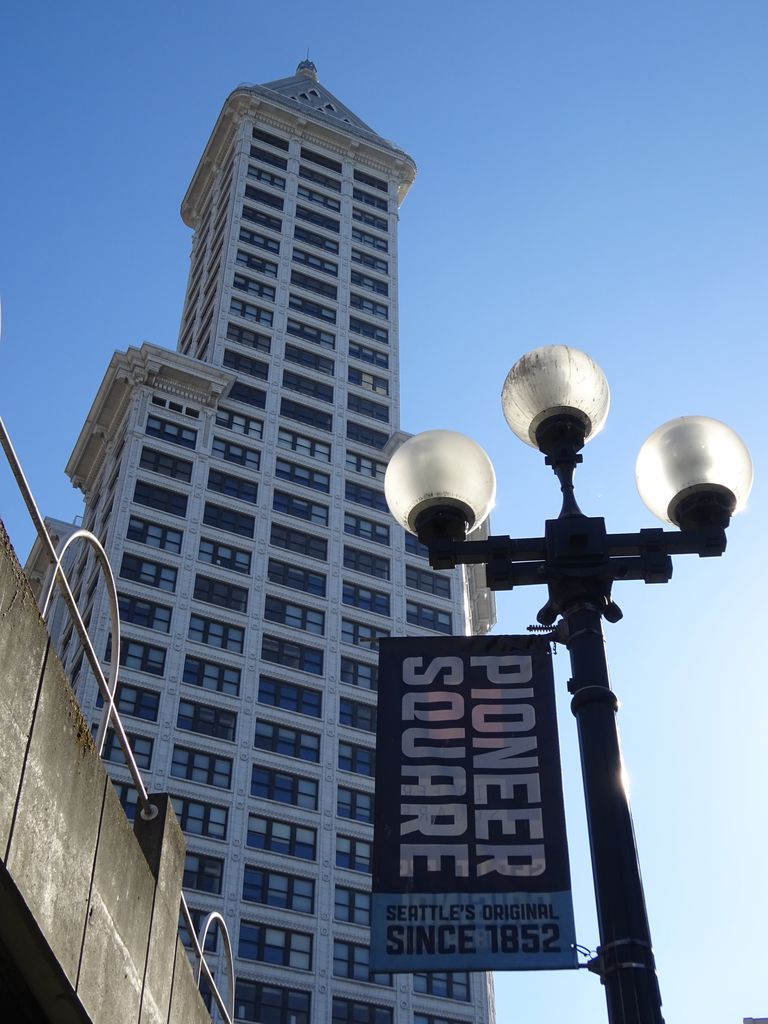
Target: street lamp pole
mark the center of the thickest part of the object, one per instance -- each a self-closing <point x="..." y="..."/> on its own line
<point x="694" y="473"/>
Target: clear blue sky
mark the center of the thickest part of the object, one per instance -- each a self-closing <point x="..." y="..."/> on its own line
<point x="593" y="173"/>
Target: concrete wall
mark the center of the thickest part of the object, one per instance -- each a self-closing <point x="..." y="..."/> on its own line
<point x="88" y="909"/>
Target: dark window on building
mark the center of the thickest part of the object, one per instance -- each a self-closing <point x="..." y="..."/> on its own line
<point x="428" y="618"/>
<point x="258" y="195"/>
<point x="414" y="547"/>
<point x="366" y="238"/>
<point x="258" y="240"/>
<point x="257" y="1001"/>
<point x="229" y="520"/>
<point x="365" y="465"/>
<point x="218" y="592"/>
<point x="306" y="414"/>
<point x="303" y="445"/>
<point x="319" y="178"/>
<point x="449" y="985"/>
<point x="206" y="720"/>
<point x="310" y="259"/>
<point x="366" y="528"/>
<point x="319" y="158"/>
<point x="167" y="465"/>
<point x="300" y="508"/>
<point x="239" y="423"/>
<point x="368" y="330"/>
<point x="361" y="760"/>
<point x="427" y="581"/>
<point x="371" y="220"/>
<point x="298" y="541"/>
<point x="370" y="381"/>
<point x="362" y="495"/>
<point x="249" y="311"/>
<point x="244" y="364"/>
<point x="356" y="715"/>
<point x="282" y="739"/>
<point x="154" y="535"/>
<point x="367" y="259"/>
<point x="353" y="961"/>
<point x="295" y="616"/>
<point x="314" y="284"/>
<point x="292" y="655"/>
<point x="224" y="556"/>
<point x="366" y="354"/>
<point x="197" y="766"/>
<point x="290" y="697"/>
<point x="377" y="202"/>
<point x="304" y="475"/>
<point x="366" y="435"/>
<point x="312" y="360"/>
<point x="252" y="287"/>
<point x="144" y="613"/>
<point x="271" y="140"/>
<point x="267" y="177"/>
<point x="281" y="837"/>
<point x="284" y="788"/>
<point x="270" y="158"/>
<point x="260" y="217"/>
<point x="352" y="804"/>
<point x="359" y="673"/>
<point x="216" y="634"/>
<point x="367" y="407"/>
<point x="240" y="392"/>
<point x="368" y="179"/>
<point x="143" y="657"/>
<point x="321" y="220"/>
<point x="135" y="701"/>
<point x="203" y="873"/>
<point x="141" y="748"/>
<point x="311" y="308"/>
<point x="365" y="598"/>
<point x="201" y="819"/>
<point x="270" y="945"/>
<point x="369" y="306"/>
<point x="258" y="263"/>
<point x="245" y="336"/>
<point x="212" y="676"/>
<point x="353" y="906"/>
<point x="275" y="889"/>
<point x="198" y="917"/>
<point x="348" y="1011"/>
<point x="151" y="574"/>
<point x="325" y="339"/>
<point x="237" y="453"/>
<point x="296" y="578"/>
<point x="361" y="633"/>
<point x="233" y="486"/>
<point x="302" y="234"/>
<point x="161" y="498"/>
<point x="167" y="430"/>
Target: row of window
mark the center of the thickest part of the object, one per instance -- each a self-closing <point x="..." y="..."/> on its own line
<point x="273" y="1004"/>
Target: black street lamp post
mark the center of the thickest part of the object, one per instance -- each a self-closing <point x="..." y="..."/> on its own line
<point x="694" y="473"/>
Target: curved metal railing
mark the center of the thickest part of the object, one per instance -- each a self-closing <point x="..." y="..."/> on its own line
<point x="111" y="716"/>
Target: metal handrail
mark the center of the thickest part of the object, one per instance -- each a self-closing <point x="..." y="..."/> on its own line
<point x="148" y="810"/>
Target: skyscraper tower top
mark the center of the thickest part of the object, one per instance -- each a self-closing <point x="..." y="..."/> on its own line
<point x="303" y="107"/>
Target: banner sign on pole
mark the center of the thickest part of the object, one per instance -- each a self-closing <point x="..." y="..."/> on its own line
<point x="470" y="860"/>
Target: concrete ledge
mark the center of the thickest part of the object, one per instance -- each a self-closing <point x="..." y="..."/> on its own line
<point x="88" y="909"/>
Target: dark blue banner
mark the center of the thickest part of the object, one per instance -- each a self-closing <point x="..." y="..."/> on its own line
<point x="470" y="863"/>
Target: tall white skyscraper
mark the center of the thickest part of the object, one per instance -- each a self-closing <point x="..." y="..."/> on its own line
<point x="236" y="485"/>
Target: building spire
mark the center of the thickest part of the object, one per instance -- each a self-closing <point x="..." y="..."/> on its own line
<point x="307" y="68"/>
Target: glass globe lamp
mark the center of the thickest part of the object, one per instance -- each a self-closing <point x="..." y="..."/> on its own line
<point x="694" y="471"/>
<point x="440" y="474"/>
<point x="555" y="386"/>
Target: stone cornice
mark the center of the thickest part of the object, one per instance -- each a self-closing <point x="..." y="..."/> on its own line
<point x="148" y="366"/>
<point x="287" y="115"/>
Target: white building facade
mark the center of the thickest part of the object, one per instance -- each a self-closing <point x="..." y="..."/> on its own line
<point x="237" y="485"/>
